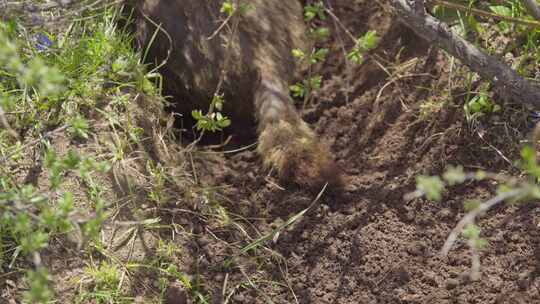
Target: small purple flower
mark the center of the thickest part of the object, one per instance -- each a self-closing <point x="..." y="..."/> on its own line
<point x="533" y="119"/>
<point x="535" y="115"/>
<point x="43" y="43"/>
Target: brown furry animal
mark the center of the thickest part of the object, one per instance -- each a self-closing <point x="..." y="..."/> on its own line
<point x="256" y="76"/>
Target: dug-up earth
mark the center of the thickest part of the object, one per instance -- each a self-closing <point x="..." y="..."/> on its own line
<point x="388" y="120"/>
<point x="394" y="117"/>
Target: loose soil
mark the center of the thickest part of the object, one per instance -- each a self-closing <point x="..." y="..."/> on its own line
<point x="366" y="243"/>
<point x="394" y="117"/>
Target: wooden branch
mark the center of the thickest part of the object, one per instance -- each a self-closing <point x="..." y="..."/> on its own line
<point x="532" y="8"/>
<point x="482" y="13"/>
<point x="489" y="67"/>
<point x="470" y="217"/>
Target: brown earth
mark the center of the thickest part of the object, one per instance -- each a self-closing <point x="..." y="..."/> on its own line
<point x="394" y="117"/>
<point x="365" y="243"/>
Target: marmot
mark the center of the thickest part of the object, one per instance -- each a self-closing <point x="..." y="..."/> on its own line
<point x="196" y="45"/>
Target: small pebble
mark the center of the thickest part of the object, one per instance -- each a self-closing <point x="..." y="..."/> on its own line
<point x="175" y="294"/>
<point x="451" y="284"/>
<point x="239" y="298"/>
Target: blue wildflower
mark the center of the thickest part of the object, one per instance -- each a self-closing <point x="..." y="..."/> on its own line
<point x="43" y="43"/>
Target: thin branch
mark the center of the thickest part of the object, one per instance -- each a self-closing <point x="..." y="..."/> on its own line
<point x="532" y="8"/>
<point x="49" y="134"/>
<point x="5" y="124"/>
<point x="483" y="13"/>
<point x="489" y="67"/>
<point x="471" y="216"/>
<point x="475" y="261"/>
<point x="227" y="61"/>
<point x="214" y="34"/>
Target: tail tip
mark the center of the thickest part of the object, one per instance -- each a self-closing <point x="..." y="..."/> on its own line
<point x="311" y="168"/>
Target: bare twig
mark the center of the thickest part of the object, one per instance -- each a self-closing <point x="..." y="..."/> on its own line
<point x="475" y="261"/>
<point x="5" y="124"/>
<point x="226" y="63"/>
<point x="338" y="24"/>
<point x="34" y="142"/>
<point x="483" y="13"/>
<point x="471" y="216"/>
<point x="489" y="67"/>
<point x="159" y="28"/>
<point x="214" y="34"/>
<point x="532" y="8"/>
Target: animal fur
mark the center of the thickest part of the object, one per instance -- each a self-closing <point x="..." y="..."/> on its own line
<point x="256" y="77"/>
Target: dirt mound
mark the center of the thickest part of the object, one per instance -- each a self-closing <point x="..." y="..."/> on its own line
<point x="367" y="244"/>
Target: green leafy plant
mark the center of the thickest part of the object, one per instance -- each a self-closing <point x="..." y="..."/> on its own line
<point x="229" y="7"/>
<point x="49" y="92"/>
<point x="315" y="10"/>
<point x="306" y="87"/>
<point x="363" y="44"/>
<point x="510" y="189"/>
<point x="212" y="121"/>
<point x="480" y="105"/>
<point x="104" y="279"/>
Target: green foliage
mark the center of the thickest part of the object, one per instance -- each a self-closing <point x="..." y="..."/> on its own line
<point x="467" y="22"/>
<point x="454" y="175"/>
<point x="470" y="205"/>
<point x="510" y="190"/>
<point x="502" y="11"/>
<point x="305" y="87"/>
<point x="167" y="271"/>
<point x="319" y="55"/>
<point x="319" y="33"/>
<point x="313" y="82"/>
<point x="30" y="217"/>
<point x="367" y="42"/>
<point x="480" y="105"/>
<point x="51" y="93"/>
<point x="33" y="73"/>
<point x="472" y="233"/>
<point x="105" y="279"/>
<point x="59" y="91"/>
<point x="105" y="276"/>
<point x="229" y="8"/>
<point x="192" y="285"/>
<point x="298" y="54"/>
<point x="212" y="121"/>
<point x="79" y="127"/>
<point x="431" y="186"/>
<point x="529" y="162"/>
<point x="39" y="291"/>
<point x="312" y="11"/>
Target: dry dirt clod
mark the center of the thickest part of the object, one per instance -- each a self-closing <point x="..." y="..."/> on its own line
<point x="445" y="214"/>
<point x="451" y="284"/>
<point x="239" y="298"/>
<point x="176" y="294"/>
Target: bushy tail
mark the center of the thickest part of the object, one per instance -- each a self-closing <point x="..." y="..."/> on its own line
<point x="287" y="144"/>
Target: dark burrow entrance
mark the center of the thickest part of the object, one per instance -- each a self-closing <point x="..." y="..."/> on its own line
<point x="241" y="132"/>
